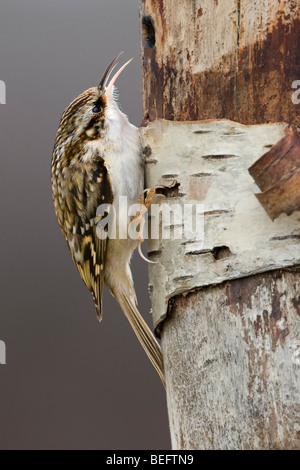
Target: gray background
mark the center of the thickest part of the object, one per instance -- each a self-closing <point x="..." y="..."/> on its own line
<point x="69" y="382"/>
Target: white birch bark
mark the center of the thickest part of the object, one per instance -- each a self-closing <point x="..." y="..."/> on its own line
<point x="227" y="308"/>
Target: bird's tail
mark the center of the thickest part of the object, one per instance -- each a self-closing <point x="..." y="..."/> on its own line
<point x="144" y="334"/>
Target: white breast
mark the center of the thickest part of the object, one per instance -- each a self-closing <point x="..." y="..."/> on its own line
<point x="120" y="147"/>
<point x="125" y="166"/>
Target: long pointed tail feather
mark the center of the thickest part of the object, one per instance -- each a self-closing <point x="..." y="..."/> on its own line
<point x="144" y="335"/>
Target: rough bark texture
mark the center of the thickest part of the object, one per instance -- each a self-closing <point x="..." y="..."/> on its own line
<point x="210" y="59"/>
<point x="232" y="351"/>
<point x="235" y="349"/>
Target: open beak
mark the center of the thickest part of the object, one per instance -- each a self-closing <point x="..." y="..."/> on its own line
<point x="108" y="87"/>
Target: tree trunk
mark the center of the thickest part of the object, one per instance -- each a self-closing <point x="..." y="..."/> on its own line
<point x="230" y="332"/>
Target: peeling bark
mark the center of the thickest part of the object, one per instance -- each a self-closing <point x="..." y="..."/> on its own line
<point x="235" y="237"/>
<point x="231" y="351"/>
<point x="277" y="174"/>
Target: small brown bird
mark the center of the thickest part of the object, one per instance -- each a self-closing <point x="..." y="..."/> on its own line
<point x="97" y="159"/>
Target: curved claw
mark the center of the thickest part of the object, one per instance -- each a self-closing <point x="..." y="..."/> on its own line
<point x="144" y="257"/>
<point x="147" y="190"/>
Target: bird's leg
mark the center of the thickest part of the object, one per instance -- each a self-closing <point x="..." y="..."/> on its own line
<point x="151" y="195"/>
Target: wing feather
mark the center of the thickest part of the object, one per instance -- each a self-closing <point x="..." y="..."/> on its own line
<point x="88" y="187"/>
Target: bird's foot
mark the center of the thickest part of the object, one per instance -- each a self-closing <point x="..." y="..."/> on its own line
<point x="151" y="195"/>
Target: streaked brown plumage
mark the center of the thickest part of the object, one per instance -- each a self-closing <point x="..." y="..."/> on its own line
<point x="96" y="159"/>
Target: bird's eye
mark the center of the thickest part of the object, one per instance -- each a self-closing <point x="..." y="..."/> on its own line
<point x="97" y="109"/>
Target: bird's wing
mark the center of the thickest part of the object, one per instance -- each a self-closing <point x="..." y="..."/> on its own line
<point x="89" y="188"/>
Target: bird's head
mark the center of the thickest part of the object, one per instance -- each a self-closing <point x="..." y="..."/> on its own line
<point x="90" y="113"/>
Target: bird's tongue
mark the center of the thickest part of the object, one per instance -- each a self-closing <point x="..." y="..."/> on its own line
<point x="110" y="86"/>
<point x="103" y="84"/>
